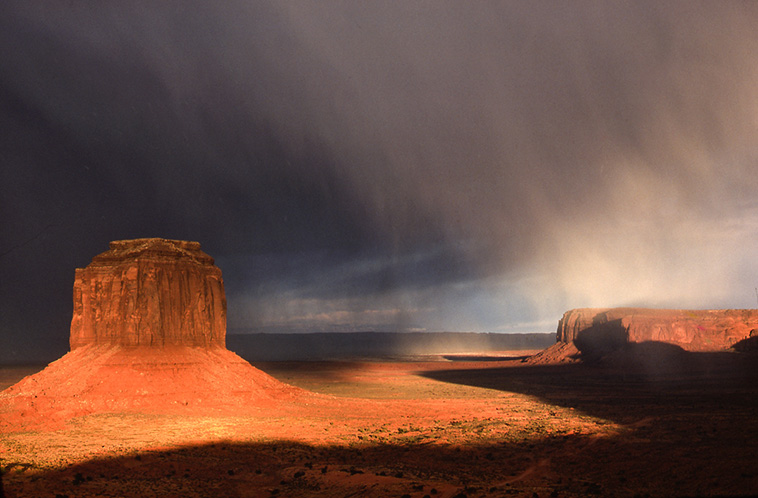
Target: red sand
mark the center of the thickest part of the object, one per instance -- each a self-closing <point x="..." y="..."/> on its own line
<point x="479" y="428"/>
<point x="96" y="379"/>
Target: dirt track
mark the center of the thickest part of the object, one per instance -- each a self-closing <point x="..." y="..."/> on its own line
<point x="439" y="428"/>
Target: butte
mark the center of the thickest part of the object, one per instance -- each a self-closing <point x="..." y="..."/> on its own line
<point x="594" y="333"/>
<point x="148" y="334"/>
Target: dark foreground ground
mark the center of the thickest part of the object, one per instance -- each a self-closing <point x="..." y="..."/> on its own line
<point x="682" y="425"/>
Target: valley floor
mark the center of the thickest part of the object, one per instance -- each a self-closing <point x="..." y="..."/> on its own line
<point x="428" y="426"/>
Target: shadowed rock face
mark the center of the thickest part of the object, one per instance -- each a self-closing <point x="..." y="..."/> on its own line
<point x="149" y="292"/>
<point x="599" y="330"/>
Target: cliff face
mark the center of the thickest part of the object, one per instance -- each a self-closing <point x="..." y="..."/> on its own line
<point x="149" y="292"/>
<point x="692" y="330"/>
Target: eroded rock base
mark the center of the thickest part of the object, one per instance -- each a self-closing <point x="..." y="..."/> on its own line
<point x="596" y="332"/>
<point x="103" y="379"/>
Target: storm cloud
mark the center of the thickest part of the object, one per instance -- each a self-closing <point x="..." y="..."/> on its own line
<point x="382" y="165"/>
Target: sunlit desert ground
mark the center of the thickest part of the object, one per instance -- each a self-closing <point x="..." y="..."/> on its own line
<point x="437" y="426"/>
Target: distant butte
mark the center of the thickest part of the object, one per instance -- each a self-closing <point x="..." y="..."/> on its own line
<point x="148" y="334"/>
<point x="591" y="333"/>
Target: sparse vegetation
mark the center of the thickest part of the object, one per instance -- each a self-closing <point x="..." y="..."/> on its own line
<point x="553" y="431"/>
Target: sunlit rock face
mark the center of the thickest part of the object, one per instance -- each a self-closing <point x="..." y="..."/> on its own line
<point x="604" y="329"/>
<point x="149" y="292"/>
<point x="147" y="335"/>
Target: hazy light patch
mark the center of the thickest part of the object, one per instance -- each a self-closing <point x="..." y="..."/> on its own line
<point x="536" y="326"/>
<point x="334" y="315"/>
<point x="650" y="245"/>
<point x="475" y="306"/>
<point x="286" y="312"/>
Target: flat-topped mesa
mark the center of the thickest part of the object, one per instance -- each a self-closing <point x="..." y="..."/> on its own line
<point x="149" y="292"/>
<point x="604" y="329"/>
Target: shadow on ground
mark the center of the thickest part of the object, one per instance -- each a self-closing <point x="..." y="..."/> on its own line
<point x="642" y="380"/>
<point x="568" y="465"/>
<point x="486" y="357"/>
<point x="676" y="424"/>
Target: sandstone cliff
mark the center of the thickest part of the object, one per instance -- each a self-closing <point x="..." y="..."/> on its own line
<point x="598" y="330"/>
<point x="149" y="292"/>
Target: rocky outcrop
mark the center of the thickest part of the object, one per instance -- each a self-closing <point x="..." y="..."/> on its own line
<point x="149" y="292"/>
<point x="147" y="334"/>
<point x="598" y="330"/>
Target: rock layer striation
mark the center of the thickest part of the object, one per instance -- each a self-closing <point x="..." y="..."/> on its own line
<point x="603" y="329"/>
<point x="149" y="292"/>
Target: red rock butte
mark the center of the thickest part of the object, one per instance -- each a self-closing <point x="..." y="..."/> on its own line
<point x="149" y="292"/>
<point x="594" y="332"/>
<point x="147" y="334"/>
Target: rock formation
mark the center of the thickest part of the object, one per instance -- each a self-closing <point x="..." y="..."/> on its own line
<point x="147" y="334"/>
<point x="598" y="331"/>
<point x="149" y="292"/>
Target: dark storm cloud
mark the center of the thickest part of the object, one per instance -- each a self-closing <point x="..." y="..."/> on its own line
<point x="387" y="165"/>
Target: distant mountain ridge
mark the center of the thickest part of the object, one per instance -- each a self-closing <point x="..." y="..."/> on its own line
<point x="341" y="345"/>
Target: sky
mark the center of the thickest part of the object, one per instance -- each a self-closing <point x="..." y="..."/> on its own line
<point x="409" y="166"/>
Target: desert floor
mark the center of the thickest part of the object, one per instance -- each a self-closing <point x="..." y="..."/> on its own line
<point x="427" y="426"/>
